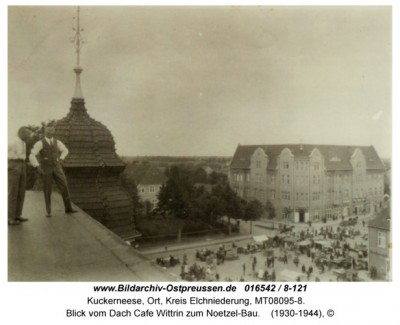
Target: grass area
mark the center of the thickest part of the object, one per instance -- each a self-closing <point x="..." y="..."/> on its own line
<point x="160" y="228"/>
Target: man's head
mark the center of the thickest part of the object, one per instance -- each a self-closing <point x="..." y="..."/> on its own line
<point x="24" y="133"/>
<point x="49" y="131"/>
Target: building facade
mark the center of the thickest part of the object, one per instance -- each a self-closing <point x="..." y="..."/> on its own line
<point x="310" y="182"/>
<point x="379" y="240"/>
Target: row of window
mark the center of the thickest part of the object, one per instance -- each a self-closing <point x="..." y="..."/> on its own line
<point x="241" y="177"/>
<point x="359" y="177"/>
<point x="304" y="196"/>
<point x="285" y="195"/>
<point x="368" y="178"/>
<point x="302" y="179"/>
<point x="315" y="196"/>
<point x="301" y="165"/>
<point x="376" y="191"/>
<point x="151" y="188"/>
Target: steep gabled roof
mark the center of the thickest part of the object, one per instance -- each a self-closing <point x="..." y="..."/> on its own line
<point x="336" y="157"/>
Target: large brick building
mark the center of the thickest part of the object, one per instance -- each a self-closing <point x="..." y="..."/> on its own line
<point x="306" y="182"/>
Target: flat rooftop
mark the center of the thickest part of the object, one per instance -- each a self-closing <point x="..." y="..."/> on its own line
<point x="72" y="248"/>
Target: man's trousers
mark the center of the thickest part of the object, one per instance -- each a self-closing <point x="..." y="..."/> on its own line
<point x="16" y="188"/>
<point x="56" y="174"/>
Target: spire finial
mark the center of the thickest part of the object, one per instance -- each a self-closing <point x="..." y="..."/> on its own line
<point x="77" y="40"/>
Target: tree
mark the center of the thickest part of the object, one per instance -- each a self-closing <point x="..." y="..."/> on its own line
<point x="199" y="175"/>
<point x="217" y="178"/>
<point x="175" y="197"/>
<point x="270" y="209"/>
<point x="253" y="211"/>
<point x="228" y="203"/>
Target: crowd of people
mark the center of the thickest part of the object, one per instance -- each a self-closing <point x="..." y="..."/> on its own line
<point x="314" y="252"/>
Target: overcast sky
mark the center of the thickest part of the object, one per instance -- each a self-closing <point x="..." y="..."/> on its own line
<point x="200" y="80"/>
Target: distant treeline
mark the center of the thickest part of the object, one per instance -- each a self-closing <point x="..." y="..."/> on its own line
<point x="219" y="159"/>
<point x="216" y="163"/>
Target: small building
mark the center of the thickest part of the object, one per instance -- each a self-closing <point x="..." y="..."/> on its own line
<point x="380" y="245"/>
<point x="149" y="179"/>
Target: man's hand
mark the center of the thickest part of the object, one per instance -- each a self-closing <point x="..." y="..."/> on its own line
<point x="40" y="170"/>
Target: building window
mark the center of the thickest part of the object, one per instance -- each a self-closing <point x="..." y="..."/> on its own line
<point x="155" y="203"/>
<point x="316" y="196"/>
<point x="316" y="166"/>
<point x="285" y="165"/>
<point x="273" y="195"/>
<point x="381" y="239"/>
<point x="258" y="164"/>
<point x="285" y="195"/>
<point x="142" y="190"/>
<point x="152" y="189"/>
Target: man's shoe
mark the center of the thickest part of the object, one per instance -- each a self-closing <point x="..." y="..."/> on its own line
<point x="14" y="222"/>
<point x="48" y="215"/>
<point x="22" y="219"/>
<point x="71" y="211"/>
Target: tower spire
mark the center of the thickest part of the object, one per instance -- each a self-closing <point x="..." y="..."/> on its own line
<point x="77" y="40"/>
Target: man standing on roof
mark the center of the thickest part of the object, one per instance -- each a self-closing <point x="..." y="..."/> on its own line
<point x="52" y="153"/>
<point x="17" y="176"/>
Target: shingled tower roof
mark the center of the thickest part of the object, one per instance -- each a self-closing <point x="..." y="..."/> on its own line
<point x="90" y="142"/>
<point x="92" y="166"/>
